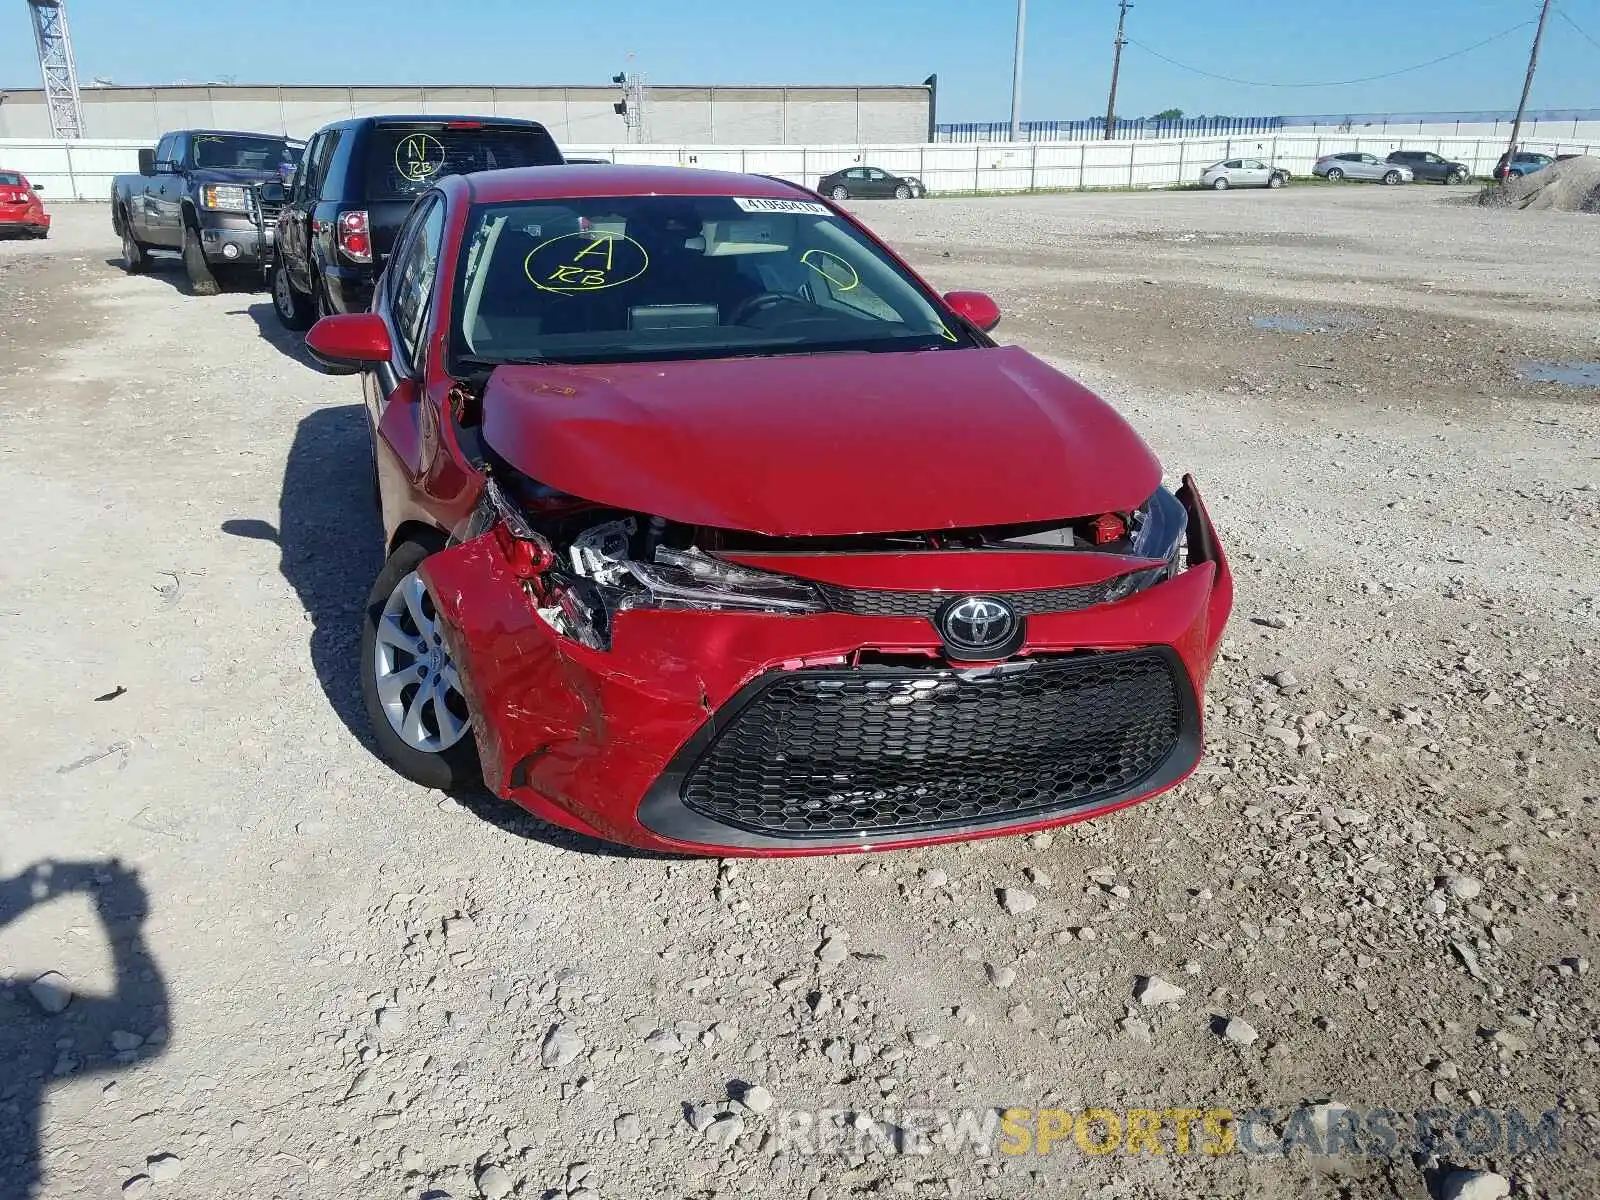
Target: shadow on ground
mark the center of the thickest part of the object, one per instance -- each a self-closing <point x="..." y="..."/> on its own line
<point x="89" y="1035"/>
<point x="292" y="344"/>
<point x="330" y="544"/>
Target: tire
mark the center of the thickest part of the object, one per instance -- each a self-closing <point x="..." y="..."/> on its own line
<point x="840" y="192"/>
<point x="1391" y="178"/>
<point x="295" y="309"/>
<point x="409" y="721"/>
<point x="134" y="259"/>
<point x="201" y="281"/>
<point x="1457" y="177"/>
<point x="1220" y="184"/>
<point x="902" y="192"/>
<point x="1334" y="175"/>
<point x="1277" y="181"/>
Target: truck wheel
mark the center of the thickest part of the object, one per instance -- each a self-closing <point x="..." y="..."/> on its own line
<point x="201" y="281"/>
<point x="134" y="259"/>
<point x="295" y="310"/>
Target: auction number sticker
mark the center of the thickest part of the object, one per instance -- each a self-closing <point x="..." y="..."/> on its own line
<point x="585" y="262"/>
<point x="419" y="157"/>
<point x="809" y="208"/>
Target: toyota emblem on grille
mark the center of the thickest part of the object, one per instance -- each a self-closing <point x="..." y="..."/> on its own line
<point x="978" y="626"/>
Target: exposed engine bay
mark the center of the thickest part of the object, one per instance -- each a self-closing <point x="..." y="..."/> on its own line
<point x="583" y="564"/>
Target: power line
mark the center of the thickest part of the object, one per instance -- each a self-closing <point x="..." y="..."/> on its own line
<point x="1562" y="13"/>
<point x="1334" y="82"/>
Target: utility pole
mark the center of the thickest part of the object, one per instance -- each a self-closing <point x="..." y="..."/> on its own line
<point x="1016" y="72"/>
<point x="1527" y="87"/>
<point x="1116" y="65"/>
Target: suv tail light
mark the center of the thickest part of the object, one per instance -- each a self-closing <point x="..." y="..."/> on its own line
<point x="355" y="239"/>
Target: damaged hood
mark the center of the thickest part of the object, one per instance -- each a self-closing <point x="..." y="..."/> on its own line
<point x="824" y="445"/>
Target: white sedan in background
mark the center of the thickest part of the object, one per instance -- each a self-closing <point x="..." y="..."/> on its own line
<point x="1242" y="172"/>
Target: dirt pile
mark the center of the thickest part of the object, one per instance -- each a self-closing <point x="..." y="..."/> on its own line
<point x="1570" y="186"/>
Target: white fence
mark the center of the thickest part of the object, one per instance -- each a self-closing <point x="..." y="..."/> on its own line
<point x="83" y="170"/>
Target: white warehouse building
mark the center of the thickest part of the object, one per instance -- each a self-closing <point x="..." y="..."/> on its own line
<point x="577" y="115"/>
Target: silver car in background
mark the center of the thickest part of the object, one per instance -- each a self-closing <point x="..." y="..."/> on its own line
<point x="1242" y="172"/>
<point x="1361" y="166"/>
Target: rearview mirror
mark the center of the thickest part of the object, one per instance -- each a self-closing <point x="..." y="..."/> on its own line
<point x="147" y="163"/>
<point x="347" y="341"/>
<point x="976" y="308"/>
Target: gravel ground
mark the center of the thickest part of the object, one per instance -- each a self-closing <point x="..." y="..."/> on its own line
<point x="287" y="973"/>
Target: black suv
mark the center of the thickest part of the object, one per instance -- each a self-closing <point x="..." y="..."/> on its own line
<point x="354" y="187"/>
<point x="1425" y="164"/>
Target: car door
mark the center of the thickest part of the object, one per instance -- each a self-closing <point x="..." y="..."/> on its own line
<point x="1254" y="173"/>
<point x="295" y="226"/>
<point x="880" y="184"/>
<point x="1370" y="166"/>
<point x="147" y="211"/>
<point x="171" y="187"/>
<point x="397" y="401"/>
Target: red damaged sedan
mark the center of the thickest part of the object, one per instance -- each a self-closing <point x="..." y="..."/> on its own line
<point x="712" y="529"/>
<point x="20" y="206"/>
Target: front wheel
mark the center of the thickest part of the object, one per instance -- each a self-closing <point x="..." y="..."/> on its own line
<point x="1391" y="178"/>
<point x="409" y="684"/>
<point x="1457" y="176"/>
<point x="295" y="310"/>
<point x="902" y="192"/>
<point x="1335" y="174"/>
<point x="201" y="280"/>
<point x="1277" y="181"/>
<point x="840" y="193"/>
<point x="1219" y="184"/>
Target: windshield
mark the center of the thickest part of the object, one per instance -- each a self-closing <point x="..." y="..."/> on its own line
<point x="11" y="179"/>
<point x="224" y="152"/>
<point x="616" y="279"/>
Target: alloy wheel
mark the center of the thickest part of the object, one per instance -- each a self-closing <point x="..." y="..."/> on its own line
<point x="417" y="683"/>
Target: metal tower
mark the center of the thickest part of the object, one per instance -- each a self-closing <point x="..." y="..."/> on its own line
<point x="55" y="64"/>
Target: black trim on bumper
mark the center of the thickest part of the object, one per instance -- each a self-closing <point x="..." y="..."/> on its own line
<point x="664" y="812"/>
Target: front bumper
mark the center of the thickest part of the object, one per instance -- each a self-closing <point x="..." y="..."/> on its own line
<point x="653" y="744"/>
<point x="235" y="239"/>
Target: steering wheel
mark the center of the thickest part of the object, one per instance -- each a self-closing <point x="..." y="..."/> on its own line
<point x="762" y="302"/>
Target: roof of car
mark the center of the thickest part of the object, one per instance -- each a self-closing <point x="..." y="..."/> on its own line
<point x="380" y="119"/>
<point x="573" y="180"/>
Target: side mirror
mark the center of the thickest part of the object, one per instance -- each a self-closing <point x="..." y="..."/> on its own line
<point x="272" y="193"/>
<point x="38" y="187"/>
<point x="350" y="341"/>
<point x="147" y="163"/>
<point x="976" y="308"/>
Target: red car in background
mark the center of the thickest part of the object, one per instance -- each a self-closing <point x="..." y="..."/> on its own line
<point x="20" y="206"/>
<point x="713" y="529"/>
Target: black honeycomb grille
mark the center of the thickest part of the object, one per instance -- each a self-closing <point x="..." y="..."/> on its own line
<point x="872" y="602"/>
<point x="875" y="750"/>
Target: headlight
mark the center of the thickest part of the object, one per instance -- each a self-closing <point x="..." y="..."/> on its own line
<point x="1158" y="532"/>
<point x="224" y="198"/>
<point x="690" y="579"/>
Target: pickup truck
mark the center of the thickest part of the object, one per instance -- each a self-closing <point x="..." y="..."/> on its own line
<point x="211" y="195"/>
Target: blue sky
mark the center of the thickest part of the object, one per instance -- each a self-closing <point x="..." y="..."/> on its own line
<point x="967" y="42"/>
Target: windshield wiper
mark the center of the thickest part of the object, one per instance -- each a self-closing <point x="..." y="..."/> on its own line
<point x="474" y="363"/>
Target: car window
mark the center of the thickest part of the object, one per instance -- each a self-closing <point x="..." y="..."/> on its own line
<point x="318" y="183"/>
<point x="876" y="175"/>
<point x="415" y="273"/>
<point x="1233" y="164"/>
<point x="856" y="173"/>
<point x="12" y="179"/>
<point x="1251" y="164"/>
<point x="649" y="277"/>
<point x="164" y="150"/>
<point x="404" y="161"/>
